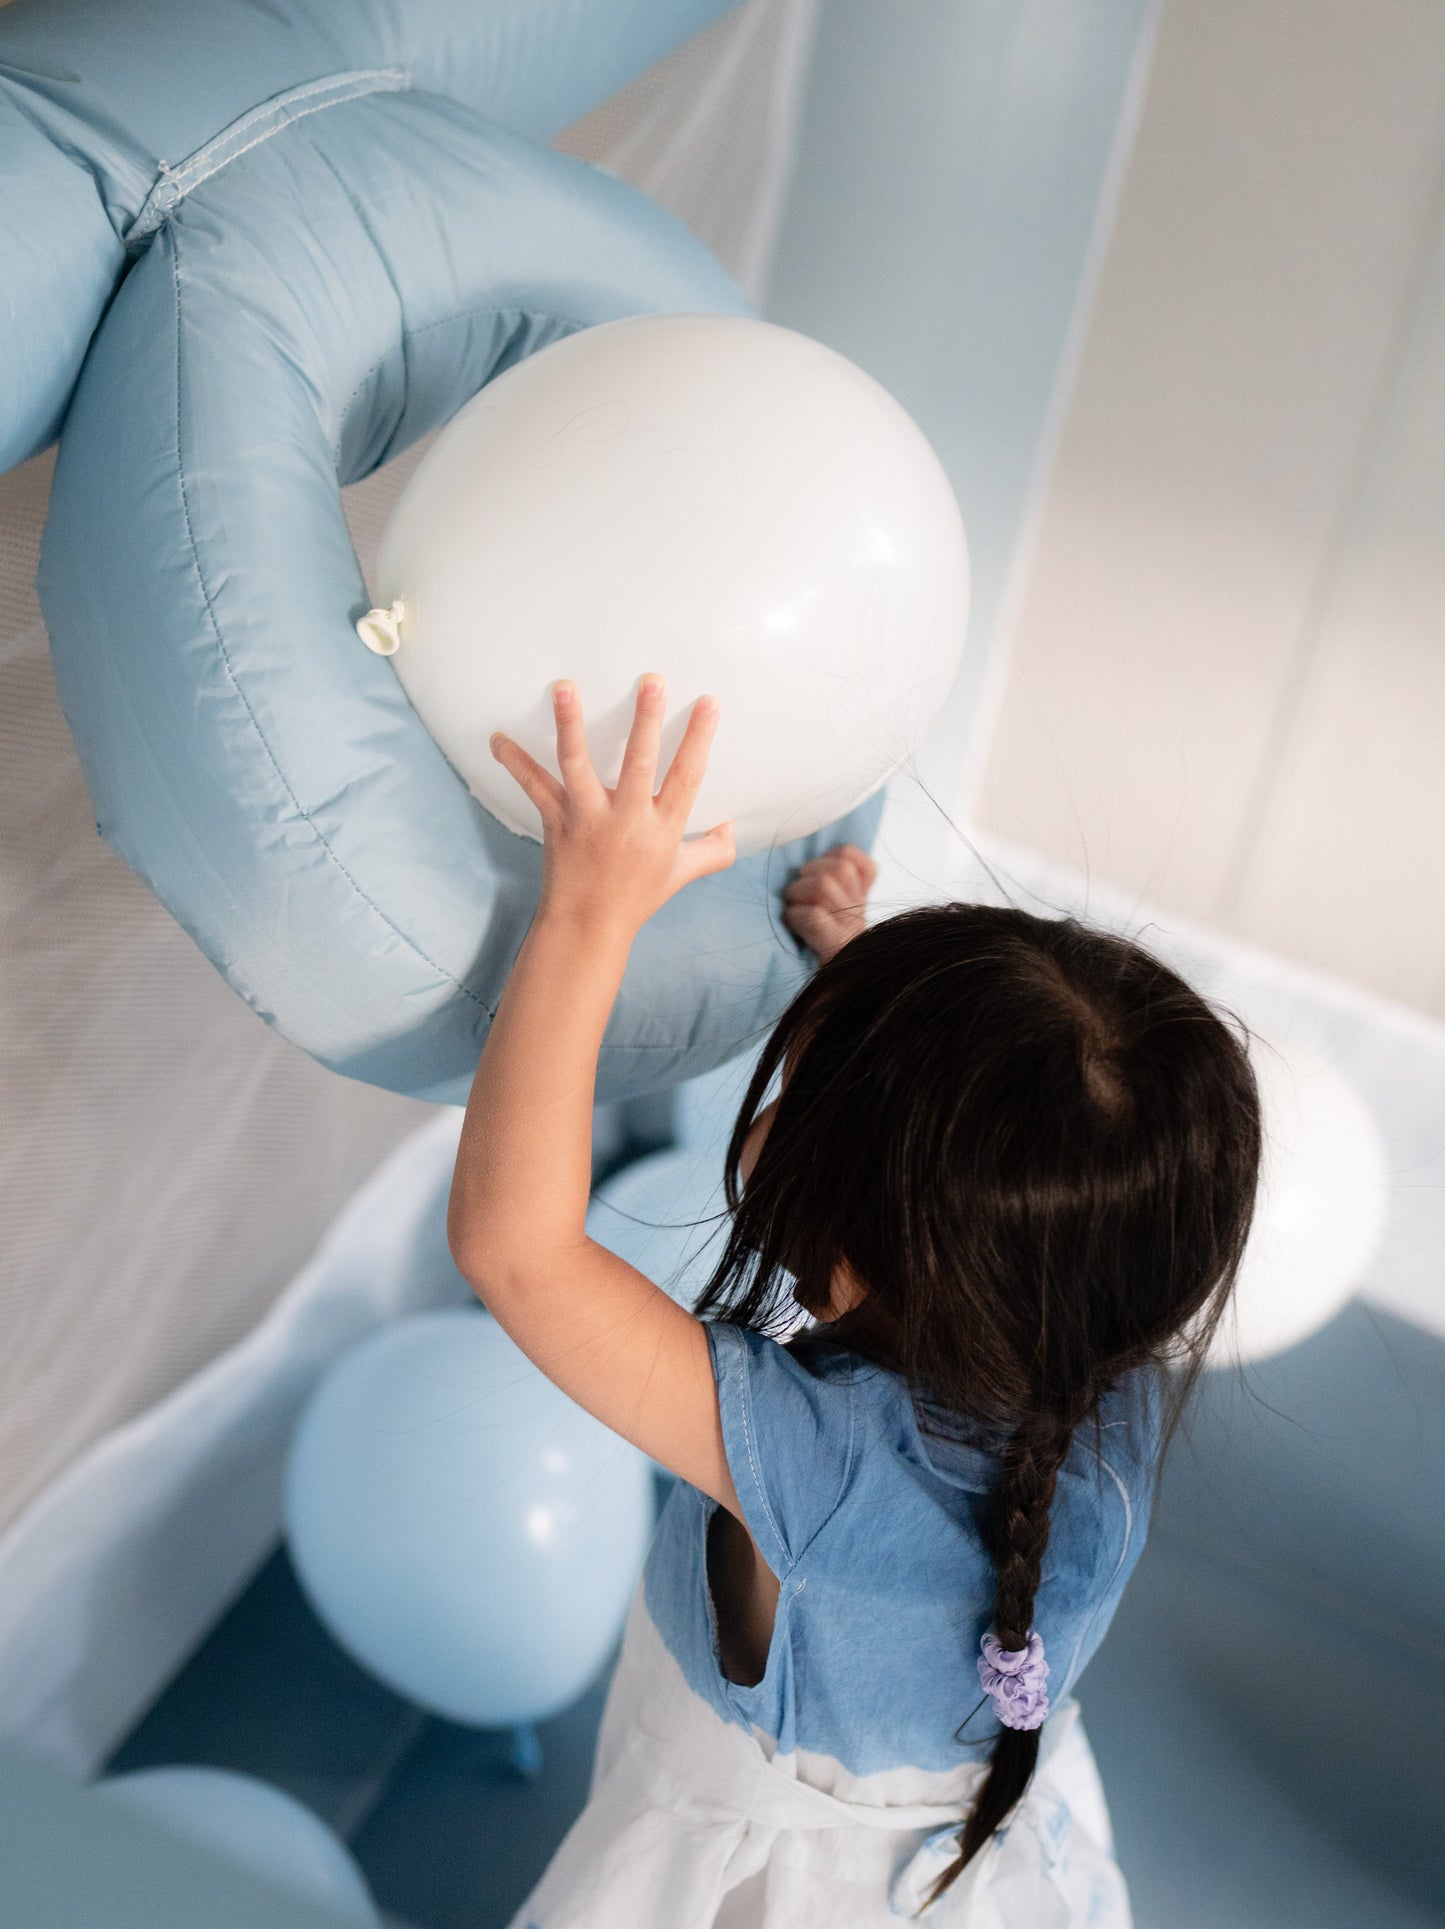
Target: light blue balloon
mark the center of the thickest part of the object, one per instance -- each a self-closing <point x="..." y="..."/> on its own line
<point x="707" y="1107"/>
<point x="465" y="1530"/>
<point x="257" y="1826"/>
<point x="665" y="1214"/>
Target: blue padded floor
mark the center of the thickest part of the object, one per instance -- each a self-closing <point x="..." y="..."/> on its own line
<point x="1268" y="1710"/>
<point x="449" y="1833"/>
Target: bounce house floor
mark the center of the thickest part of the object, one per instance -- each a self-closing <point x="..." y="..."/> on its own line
<point x="449" y="1829"/>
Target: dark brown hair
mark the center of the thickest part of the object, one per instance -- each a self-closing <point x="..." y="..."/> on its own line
<point x="1037" y="1148"/>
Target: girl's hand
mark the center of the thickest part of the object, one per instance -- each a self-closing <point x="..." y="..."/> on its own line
<point x="825" y="904"/>
<point x="611" y="858"/>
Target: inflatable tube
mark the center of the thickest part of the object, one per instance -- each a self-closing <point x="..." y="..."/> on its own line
<point x="314" y="289"/>
<point x="99" y="98"/>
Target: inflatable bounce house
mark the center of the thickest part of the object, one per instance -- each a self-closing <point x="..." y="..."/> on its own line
<point x="257" y="256"/>
<point x="321" y="281"/>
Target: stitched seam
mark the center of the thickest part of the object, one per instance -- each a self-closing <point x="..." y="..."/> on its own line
<point x="447" y="321"/>
<point x="360" y="216"/>
<point x="1128" y="1514"/>
<point x="848" y="1459"/>
<point x="1123" y="1556"/>
<point x="272" y="117"/>
<point x="281" y="115"/>
<point x="225" y="656"/>
<point x="268" y="110"/>
<point x="752" y="1457"/>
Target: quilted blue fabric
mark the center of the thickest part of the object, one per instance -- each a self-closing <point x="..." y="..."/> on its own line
<point x="97" y="96"/>
<point x="324" y="250"/>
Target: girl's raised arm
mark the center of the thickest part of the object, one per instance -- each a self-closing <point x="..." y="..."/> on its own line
<point x="594" y="1325"/>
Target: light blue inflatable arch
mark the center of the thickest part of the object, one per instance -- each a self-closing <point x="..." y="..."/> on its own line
<point x="319" y="283"/>
<point x="97" y="96"/>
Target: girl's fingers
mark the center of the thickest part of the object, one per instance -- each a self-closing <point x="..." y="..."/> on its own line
<point x="539" y="784"/>
<point x="573" y="757"/>
<point x="845" y="858"/>
<point x="823" y="887"/>
<point x="639" y="760"/>
<point x="862" y="863"/>
<point x="689" y="766"/>
<point x="803" y="918"/>
<point x="701" y="856"/>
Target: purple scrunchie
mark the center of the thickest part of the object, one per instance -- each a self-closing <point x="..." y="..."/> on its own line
<point x="1013" y="1679"/>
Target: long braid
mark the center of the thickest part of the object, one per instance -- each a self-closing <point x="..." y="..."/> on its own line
<point x="1023" y="1501"/>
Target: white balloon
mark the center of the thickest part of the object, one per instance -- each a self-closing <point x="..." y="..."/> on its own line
<point x="1321" y="1209"/>
<point x="720" y="500"/>
<point x="260" y="1827"/>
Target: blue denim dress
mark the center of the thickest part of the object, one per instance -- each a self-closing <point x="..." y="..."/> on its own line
<point x="831" y="1791"/>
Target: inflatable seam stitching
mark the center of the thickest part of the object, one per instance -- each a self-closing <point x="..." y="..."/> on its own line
<point x="255" y="723"/>
<point x="273" y="117"/>
<point x="284" y="117"/>
<point x="361" y="216"/>
<point x="570" y="322"/>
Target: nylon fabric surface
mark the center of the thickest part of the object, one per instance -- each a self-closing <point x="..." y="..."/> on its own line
<point x="167" y="1161"/>
<point x="321" y="282"/>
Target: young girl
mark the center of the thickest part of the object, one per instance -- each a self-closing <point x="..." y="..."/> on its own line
<point x="1008" y="1174"/>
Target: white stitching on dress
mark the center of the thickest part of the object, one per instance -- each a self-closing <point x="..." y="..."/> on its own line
<point x="1123" y="1556"/>
<point x="752" y="1457"/>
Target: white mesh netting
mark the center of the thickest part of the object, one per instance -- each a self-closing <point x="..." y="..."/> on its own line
<point x="166" y="1162"/>
<point x="708" y="132"/>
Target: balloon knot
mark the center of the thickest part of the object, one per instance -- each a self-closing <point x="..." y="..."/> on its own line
<point x="380" y="629"/>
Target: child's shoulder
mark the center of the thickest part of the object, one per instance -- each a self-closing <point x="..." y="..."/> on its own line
<point x="1131" y="1419"/>
<point x="1106" y="1486"/>
<point x="807" y="1422"/>
<point x="806" y="1361"/>
<point x="789" y="1429"/>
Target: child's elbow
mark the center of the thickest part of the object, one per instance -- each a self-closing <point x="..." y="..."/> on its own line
<point x="466" y="1250"/>
<point x="482" y="1263"/>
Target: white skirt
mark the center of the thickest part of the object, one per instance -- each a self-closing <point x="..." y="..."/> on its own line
<point x="691" y="1825"/>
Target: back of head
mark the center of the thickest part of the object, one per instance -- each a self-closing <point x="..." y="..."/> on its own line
<point x="1036" y="1149"/>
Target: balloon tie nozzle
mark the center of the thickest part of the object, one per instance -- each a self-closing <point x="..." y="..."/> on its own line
<point x="380" y="629"/>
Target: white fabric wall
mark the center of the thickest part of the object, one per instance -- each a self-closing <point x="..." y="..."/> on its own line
<point x="710" y="131"/>
<point x="165" y="1160"/>
<point x="1227" y="687"/>
<point x="110" y="1576"/>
